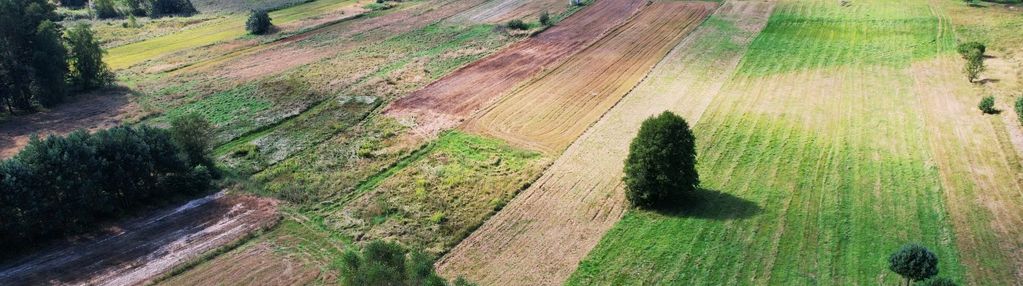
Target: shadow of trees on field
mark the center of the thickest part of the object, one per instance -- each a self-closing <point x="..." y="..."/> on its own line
<point x="711" y="204"/>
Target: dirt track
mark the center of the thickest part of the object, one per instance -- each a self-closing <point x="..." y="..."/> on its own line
<point x="142" y="249"/>
<point x="500" y="12"/>
<point x="550" y="113"/>
<point x="88" y="111"/>
<point x="446" y="102"/>
<point x="541" y="236"/>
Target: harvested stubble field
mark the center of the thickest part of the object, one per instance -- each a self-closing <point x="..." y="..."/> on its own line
<point x="446" y="102"/>
<point x="551" y="112"/>
<point x="543" y="233"/>
<point x="822" y="155"/>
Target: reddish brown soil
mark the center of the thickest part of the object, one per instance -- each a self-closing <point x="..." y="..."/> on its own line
<point x="142" y="249"/>
<point x="451" y="99"/>
<point x="89" y="112"/>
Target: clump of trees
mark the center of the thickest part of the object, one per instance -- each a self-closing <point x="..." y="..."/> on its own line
<point x="387" y="263"/>
<point x="916" y="263"/>
<point x="105" y="9"/>
<point x="661" y="166"/>
<point x="517" y="25"/>
<point x="987" y="105"/>
<point x="973" y="53"/>
<point x="64" y="185"/>
<point x="258" y="22"/>
<point x="37" y="63"/>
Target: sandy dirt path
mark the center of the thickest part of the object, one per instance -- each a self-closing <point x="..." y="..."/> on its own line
<point x="541" y="236"/>
<point x="89" y="112"/>
<point x="141" y="250"/>
<point x="446" y="102"/>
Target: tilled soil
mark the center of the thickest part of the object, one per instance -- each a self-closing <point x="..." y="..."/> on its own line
<point x="142" y="249"/>
<point x="90" y="112"/>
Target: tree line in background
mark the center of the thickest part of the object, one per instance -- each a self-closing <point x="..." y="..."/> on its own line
<point x="104" y="9"/>
<point x="63" y="185"/>
<point x="39" y="62"/>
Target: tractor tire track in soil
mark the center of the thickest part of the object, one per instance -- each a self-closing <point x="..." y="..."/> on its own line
<point x="545" y="231"/>
<point x="550" y="113"/>
<point x="448" y="101"/>
<point x="142" y="249"/>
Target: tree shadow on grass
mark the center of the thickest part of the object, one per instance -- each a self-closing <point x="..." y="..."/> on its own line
<point x="711" y="204"/>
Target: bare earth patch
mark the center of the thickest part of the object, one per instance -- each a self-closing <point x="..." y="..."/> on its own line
<point x="90" y="112"/>
<point x="142" y="249"/>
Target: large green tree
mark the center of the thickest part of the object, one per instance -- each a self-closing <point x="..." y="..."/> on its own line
<point x="86" y="59"/>
<point x="28" y="53"/>
<point x="914" y="262"/>
<point x="661" y="166"/>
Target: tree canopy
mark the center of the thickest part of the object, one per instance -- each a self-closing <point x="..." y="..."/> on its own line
<point x="914" y="262"/>
<point x="661" y="166"/>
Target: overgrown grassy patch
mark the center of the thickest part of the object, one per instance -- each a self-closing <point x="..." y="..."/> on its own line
<point x="441" y="196"/>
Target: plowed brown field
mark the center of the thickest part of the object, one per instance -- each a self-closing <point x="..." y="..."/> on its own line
<point x="550" y="113"/>
<point x="451" y="99"/>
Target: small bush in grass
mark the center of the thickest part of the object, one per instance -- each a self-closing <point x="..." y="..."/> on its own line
<point x="545" y="18"/>
<point x="387" y="263"/>
<point x="517" y="25"/>
<point x="661" y="166"/>
<point x="987" y="105"/>
<point x="1019" y="109"/>
<point x="937" y="281"/>
<point x="258" y="23"/>
<point x="914" y="262"/>
<point x="974" y="64"/>
<point x="964" y="49"/>
<point x="104" y="9"/>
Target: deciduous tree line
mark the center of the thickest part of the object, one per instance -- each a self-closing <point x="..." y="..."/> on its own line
<point x="39" y="62"/>
<point x="63" y="185"/>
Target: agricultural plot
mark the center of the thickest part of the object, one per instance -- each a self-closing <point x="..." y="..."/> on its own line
<point x="446" y="102"/>
<point x="543" y="234"/>
<point x="140" y="250"/>
<point x="440" y="195"/>
<point x="550" y="113"/>
<point x="228" y="28"/>
<point x="499" y="12"/>
<point x="814" y="158"/>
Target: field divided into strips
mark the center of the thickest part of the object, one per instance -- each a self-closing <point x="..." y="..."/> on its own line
<point x="980" y="170"/>
<point x="503" y="11"/>
<point x="228" y="28"/>
<point x="550" y="113"/>
<point x="548" y="228"/>
<point x="446" y="102"/>
<point x="814" y="158"/>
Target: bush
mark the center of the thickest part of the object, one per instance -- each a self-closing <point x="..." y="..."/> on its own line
<point x="157" y="8"/>
<point x="965" y="49"/>
<point x="517" y="25"/>
<point x="1019" y="109"/>
<point x="258" y="23"/>
<point x="914" y="262"/>
<point x="72" y="3"/>
<point x="661" y="166"/>
<point x="192" y="132"/>
<point x="387" y="263"/>
<point x="65" y="185"/>
<point x="86" y="59"/>
<point x="974" y="64"/>
<point x="104" y="9"/>
<point x="938" y="281"/>
<point x="545" y="18"/>
<point x="987" y="105"/>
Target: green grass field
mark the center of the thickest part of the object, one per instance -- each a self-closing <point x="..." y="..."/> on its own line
<point x="814" y="160"/>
